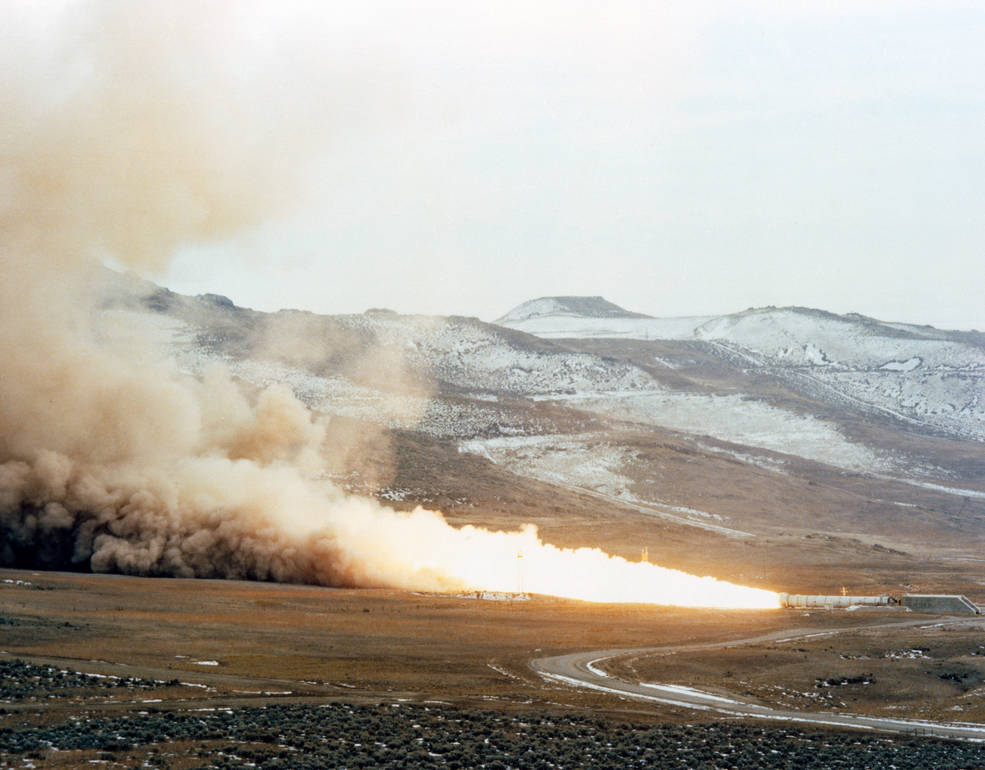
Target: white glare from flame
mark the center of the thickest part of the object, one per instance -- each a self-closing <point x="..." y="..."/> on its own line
<point x="520" y="562"/>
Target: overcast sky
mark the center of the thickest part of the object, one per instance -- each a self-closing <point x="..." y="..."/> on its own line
<point x="676" y="158"/>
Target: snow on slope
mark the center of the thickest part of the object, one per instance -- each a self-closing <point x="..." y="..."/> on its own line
<point x="586" y="461"/>
<point x="804" y="337"/>
<point x="927" y="377"/>
<point x="561" y="326"/>
<point x="477" y="356"/>
<point x="473" y="356"/>
<point x="431" y="414"/>
<point x="582" y="307"/>
<point x="936" y="382"/>
<point x="591" y="464"/>
<point x="740" y="420"/>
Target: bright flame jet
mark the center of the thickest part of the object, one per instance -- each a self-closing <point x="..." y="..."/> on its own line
<point x="520" y="562"/>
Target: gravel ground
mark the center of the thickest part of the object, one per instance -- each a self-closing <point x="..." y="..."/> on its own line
<point x="414" y="736"/>
<point x="20" y="681"/>
<point x="339" y="735"/>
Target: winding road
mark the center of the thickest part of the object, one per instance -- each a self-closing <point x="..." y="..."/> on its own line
<point x="581" y="669"/>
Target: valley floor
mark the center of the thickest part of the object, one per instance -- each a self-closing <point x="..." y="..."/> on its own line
<point x="202" y="673"/>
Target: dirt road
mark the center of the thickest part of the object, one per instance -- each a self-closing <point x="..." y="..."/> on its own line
<point x="582" y="669"/>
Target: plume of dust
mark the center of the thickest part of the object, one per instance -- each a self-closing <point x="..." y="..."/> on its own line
<point x="394" y="390"/>
<point x="132" y="136"/>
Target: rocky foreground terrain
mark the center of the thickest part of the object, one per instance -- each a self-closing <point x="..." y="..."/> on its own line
<point x="417" y="736"/>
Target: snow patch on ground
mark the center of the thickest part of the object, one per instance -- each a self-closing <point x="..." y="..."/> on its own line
<point x="903" y="366"/>
<point x="947" y="490"/>
<point x="738" y="420"/>
<point x="589" y="464"/>
<point x="760" y="461"/>
<point x="583" y="460"/>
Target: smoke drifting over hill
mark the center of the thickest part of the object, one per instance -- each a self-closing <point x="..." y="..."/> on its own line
<point x="142" y="137"/>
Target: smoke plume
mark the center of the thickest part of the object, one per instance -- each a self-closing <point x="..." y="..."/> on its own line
<point x="128" y="130"/>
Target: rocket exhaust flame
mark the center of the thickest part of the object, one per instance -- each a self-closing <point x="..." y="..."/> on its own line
<point x="590" y="574"/>
<point x="131" y="139"/>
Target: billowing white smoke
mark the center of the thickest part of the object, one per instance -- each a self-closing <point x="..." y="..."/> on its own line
<point x="133" y="135"/>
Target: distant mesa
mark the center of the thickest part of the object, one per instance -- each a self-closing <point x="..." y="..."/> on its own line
<point x="584" y="307"/>
<point x="218" y="300"/>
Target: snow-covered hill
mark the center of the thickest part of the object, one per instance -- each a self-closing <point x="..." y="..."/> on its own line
<point x="718" y="377"/>
<point x="566" y="307"/>
<point x="645" y="419"/>
<point x="923" y="376"/>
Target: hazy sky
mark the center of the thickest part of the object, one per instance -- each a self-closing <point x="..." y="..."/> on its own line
<point x="677" y="158"/>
